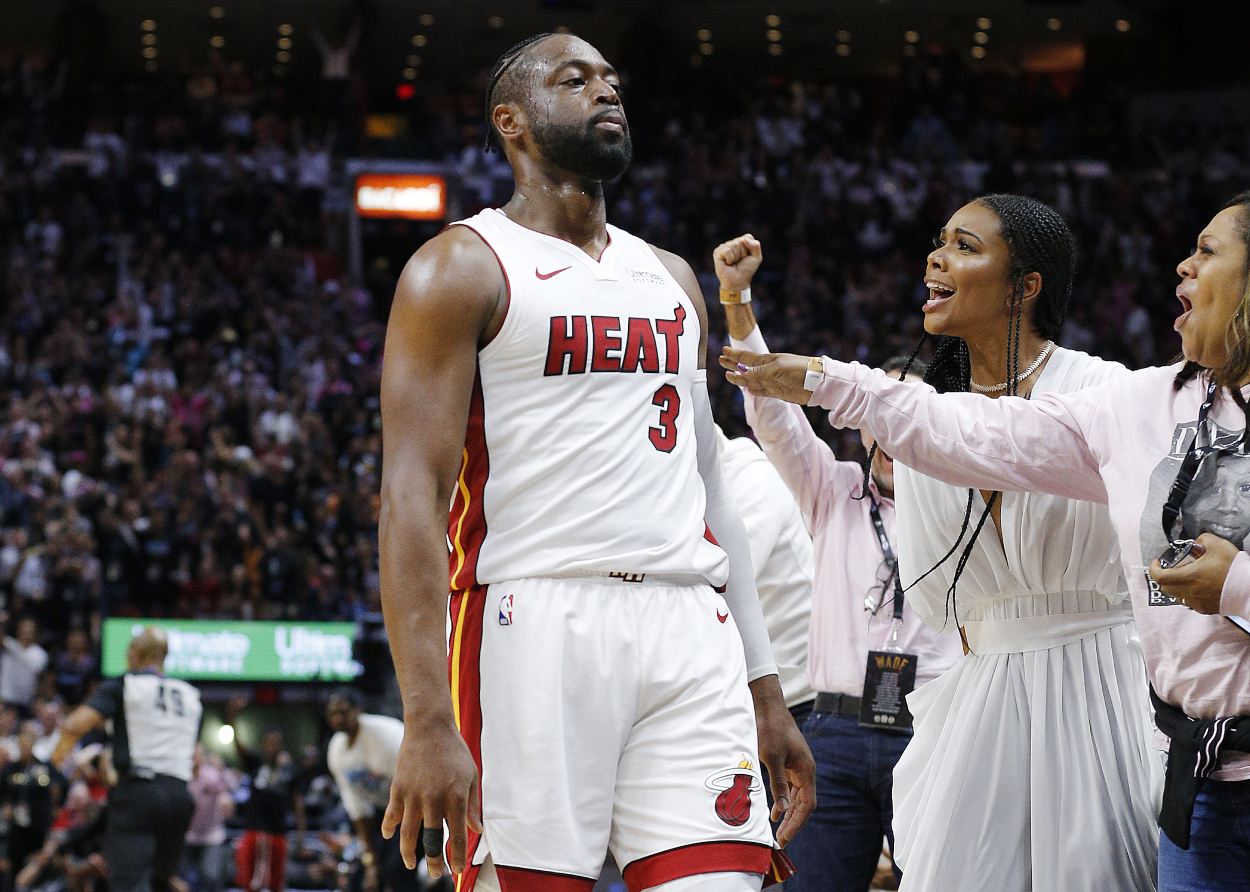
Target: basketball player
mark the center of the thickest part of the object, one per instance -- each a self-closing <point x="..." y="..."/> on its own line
<point x="156" y="721"/>
<point x="545" y="371"/>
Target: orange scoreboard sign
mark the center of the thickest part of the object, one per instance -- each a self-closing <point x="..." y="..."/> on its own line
<point x="409" y="196"/>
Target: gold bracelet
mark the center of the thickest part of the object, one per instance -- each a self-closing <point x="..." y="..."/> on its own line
<point x="735" y="298"/>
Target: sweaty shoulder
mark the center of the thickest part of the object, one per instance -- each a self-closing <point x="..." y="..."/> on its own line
<point x="681" y="271"/>
<point x="457" y="273"/>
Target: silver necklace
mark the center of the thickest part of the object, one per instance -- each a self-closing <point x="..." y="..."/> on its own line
<point x="982" y="388"/>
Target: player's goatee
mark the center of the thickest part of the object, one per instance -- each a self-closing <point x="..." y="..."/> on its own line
<point x="584" y="151"/>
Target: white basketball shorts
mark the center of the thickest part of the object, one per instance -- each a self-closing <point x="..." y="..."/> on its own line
<point x="607" y="714"/>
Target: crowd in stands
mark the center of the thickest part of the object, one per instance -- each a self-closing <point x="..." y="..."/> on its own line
<point x="190" y="423"/>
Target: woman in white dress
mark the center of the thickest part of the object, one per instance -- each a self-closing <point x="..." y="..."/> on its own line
<point x="1032" y="768"/>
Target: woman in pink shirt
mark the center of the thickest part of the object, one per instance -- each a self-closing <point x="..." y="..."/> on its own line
<point x="1133" y="443"/>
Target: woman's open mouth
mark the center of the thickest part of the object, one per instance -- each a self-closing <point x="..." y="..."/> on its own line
<point x="1187" y="308"/>
<point x="938" y="295"/>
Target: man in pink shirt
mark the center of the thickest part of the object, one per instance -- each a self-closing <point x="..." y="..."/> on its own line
<point x="855" y="611"/>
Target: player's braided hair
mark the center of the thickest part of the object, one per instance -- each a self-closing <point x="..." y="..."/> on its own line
<point x="1038" y="240"/>
<point x="1236" y="368"/>
<point x="510" y="92"/>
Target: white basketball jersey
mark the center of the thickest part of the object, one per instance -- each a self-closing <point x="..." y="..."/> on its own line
<point x="580" y="451"/>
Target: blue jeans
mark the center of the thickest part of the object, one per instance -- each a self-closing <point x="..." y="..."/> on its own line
<point x="838" y="848"/>
<point x="1219" y="843"/>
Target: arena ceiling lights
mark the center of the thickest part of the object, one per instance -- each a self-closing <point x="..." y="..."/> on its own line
<point x="464" y="35"/>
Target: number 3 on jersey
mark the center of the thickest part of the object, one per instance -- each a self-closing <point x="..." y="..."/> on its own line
<point x="664" y="437"/>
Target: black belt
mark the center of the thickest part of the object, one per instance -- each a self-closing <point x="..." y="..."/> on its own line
<point x="837" y="704"/>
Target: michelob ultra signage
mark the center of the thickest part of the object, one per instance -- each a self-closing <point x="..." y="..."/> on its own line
<point x="407" y="195"/>
<point x="241" y="651"/>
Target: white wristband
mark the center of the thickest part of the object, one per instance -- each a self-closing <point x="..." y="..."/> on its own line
<point x="735" y="297"/>
<point x="815" y="374"/>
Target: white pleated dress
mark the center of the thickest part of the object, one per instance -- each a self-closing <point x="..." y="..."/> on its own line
<point x="1032" y="767"/>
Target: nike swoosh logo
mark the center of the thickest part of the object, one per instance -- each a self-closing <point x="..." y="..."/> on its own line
<point x="545" y="276"/>
<point x="722" y="617"/>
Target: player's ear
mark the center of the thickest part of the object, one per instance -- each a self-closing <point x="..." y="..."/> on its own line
<point x="510" y="120"/>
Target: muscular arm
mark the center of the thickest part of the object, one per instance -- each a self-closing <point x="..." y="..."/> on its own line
<point x="782" y="748"/>
<point x="450" y="299"/>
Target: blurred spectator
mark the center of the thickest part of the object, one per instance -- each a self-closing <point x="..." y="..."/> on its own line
<point x="321" y="796"/>
<point x="75" y="668"/>
<point x="72" y="849"/>
<point x="30" y="792"/>
<point x="21" y="664"/>
<point x="362" y="754"/>
<point x="204" y="854"/>
<point x="336" y="59"/>
<point x="48" y="714"/>
<point x="261" y="855"/>
<point x="10" y="723"/>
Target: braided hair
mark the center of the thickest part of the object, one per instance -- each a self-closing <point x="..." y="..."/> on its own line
<point x="1236" y="367"/>
<point x="512" y="89"/>
<point x="1038" y="240"/>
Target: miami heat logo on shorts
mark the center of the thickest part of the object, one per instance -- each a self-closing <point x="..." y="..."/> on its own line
<point x="735" y="786"/>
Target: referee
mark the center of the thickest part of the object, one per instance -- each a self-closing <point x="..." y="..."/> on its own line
<point x="156" y="721"/>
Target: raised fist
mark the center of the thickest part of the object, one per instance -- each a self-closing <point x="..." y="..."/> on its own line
<point x="736" y="262"/>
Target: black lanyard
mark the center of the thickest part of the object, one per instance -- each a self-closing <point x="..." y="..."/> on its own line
<point x="1188" y="470"/>
<point x="891" y="562"/>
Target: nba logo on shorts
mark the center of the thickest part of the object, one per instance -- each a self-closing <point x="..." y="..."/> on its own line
<point x="505" y="610"/>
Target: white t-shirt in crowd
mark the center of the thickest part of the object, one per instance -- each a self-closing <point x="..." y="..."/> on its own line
<point x="19" y="671"/>
<point x="364" y="769"/>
